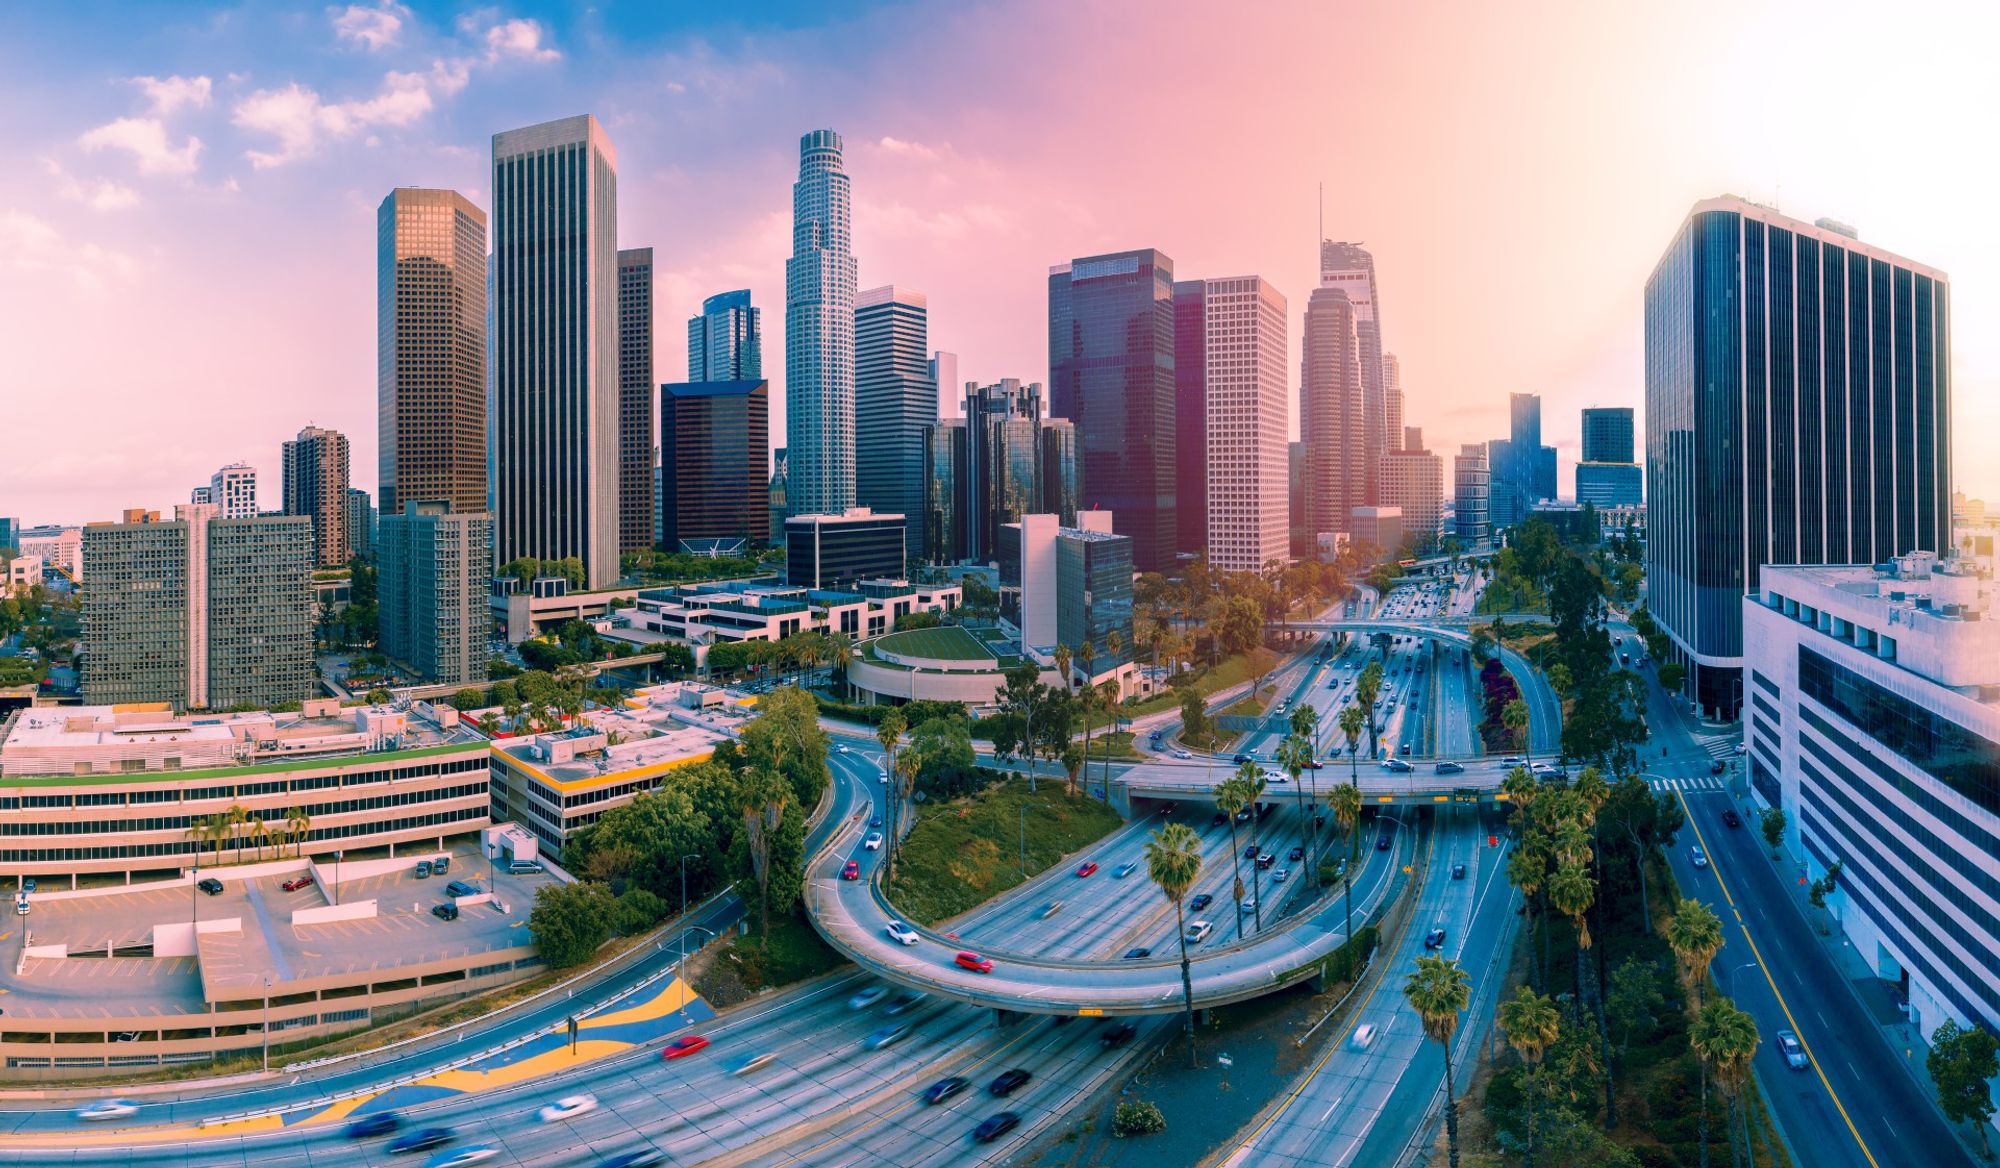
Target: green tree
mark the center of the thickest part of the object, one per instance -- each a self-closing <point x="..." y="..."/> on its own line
<point x="637" y="910"/>
<point x="1515" y="718"/>
<point x="1635" y="1000"/>
<point x="1962" y="1062"/>
<point x="1305" y="726"/>
<point x="1438" y="990"/>
<point x="1239" y="624"/>
<point x="652" y="833"/>
<point x="1773" y="823"/>
<point x="1254" y="786"/>
<point x="786" y="737"/>
<point x="1695" y="936"/>
<point x="1724" y="1038"/>
<point x="1352" y="719"/>
<point x="379" y="696"/>
<point x="468" y="699"/>
<point x="569" y="922"/>
<point x="762" y="801"/>
<point x="1196" y="727"/>
<point x="1532" y="1026"/>
<point x="1346" y="804"/>
<point x="1672" y="675"/>
<point x="1173" y="860"/>
<point x="1232" y="795"/>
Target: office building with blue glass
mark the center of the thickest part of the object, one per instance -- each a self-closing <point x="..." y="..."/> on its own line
<point x="1798" y="411"/>
<point x="725" y="343"/>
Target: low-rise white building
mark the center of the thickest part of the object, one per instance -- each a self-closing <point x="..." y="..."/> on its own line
<point x="23" y="573"/>
<point x="1872" y="716"/>
<point x="701" y="615"/>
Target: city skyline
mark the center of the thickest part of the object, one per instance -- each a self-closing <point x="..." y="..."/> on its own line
<point x="116" y="218"/>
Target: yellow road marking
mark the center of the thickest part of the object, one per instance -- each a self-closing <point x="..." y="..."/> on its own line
<point x="667" y="1001"/>
<point x="1766" y="971"/>
<point x="534" y="1066"/>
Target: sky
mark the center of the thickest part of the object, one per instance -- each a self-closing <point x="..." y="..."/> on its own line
<point x="187" y="208"/>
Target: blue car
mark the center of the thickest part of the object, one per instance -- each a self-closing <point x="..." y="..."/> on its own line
<point x="379" y="1124"/>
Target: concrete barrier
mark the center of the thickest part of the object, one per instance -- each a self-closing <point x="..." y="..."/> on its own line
<point x="234" y="873"/>
<point x="177" y="939"/>
<point x="354" y="910"/>
<point x="331" y="873"/>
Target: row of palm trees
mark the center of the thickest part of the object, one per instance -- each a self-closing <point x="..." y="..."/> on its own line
<point x="238" y="826"/>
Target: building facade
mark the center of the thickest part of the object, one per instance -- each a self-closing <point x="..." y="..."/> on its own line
<point x="59" y="547"/>
<point x="233" y="490"/>
<point x="436" y="565"/>
<point x="819" y="332"/>
<point x="555" y="343"/>
<point x="1470" y="485"/>
<point x="1247" y="424"/>
<point x="1070" y="585"/>
<point x="1190" y="417"/>
<point x="713" y="435"/>
<point x="1394" y="435"/>
<point x="1330" y="416"/>
<point x="636" y="453"/>
<point x="725" y="343"/>
<point x="894" y="392"/>
<point x="1873" y="718"/>
<point x="361" y="521"/>
<point x="1112" y="373"/>
<point x="315" y="486"/>
<point x="1607" y="434"/>
<point x="1798" y="410"/>
<point x="1351" y="268"/>
<point x="430" y="349"/>
<point x="1608" y="485"/>
<point x="833" y="551"/>
<point x="1413" y="483"/>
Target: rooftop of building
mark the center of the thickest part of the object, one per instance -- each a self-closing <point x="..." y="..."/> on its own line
<point x="652" y="732"/>
<point x="1943" y="615"/>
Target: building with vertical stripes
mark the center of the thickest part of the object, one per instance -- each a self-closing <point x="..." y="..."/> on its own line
<point x="1330" y="422"/>
<point x="819" y="332"/>
<point x="636" y="451"/>
<point x="713" y="439"/>
<point x="1246" y="407"/>
<point x="894" y="393"/>
<point x="315" y="486"/>
<point x="725" y="343"/>
<point x="555" y="345"/>
<point x="1798" y="408"/>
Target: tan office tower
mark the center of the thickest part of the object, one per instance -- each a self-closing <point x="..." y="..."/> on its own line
<point x="1413" y="480"/>
<point x="638" y="454"/>
<point x="1249" y="456"/>
<point x="1330" y="412"/>
<point x="315" y="482"/>
<point x="430" y="338"/>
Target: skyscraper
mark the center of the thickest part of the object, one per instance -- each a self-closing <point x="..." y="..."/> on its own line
<point x="315" y="481"/>
<point x="894" y="392"/>
<point x="1798" y="411"/>
<point x="1413" y="482"/>
<point x="713" y="439"/>
<point x="1606" y="475"/>
<point x="1392" y="407"/>
<point x="361" y="521"/>
<point x="1243" y="355"/>
<point x="725" y="343"/>
<point x="636" y="452"/>
<point x="430" y="349"/>
<point x="1330" y="411"/>
<point x="1190" y="418"/>
<point x="1523" y="470"/>
<point x="555" y="315"/>
<point x="1351" y="268"/>
<point x="233" y="490"/>
<point x="819" y="333"/>
<point x="1470" y="501"/>
<point x="1111" y="372"/>
<point x="944" y="373"/>
<point x="435" y="567"/>
<point x="1607" y="434"/>
<point x="1001" y="481"/>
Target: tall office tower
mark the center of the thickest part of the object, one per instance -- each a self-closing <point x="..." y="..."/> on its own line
<point x="780" y="504"/>
<point x="1607" y="434"/>
<point x="199" y="612"/>
<point x="1190" y="417"/>
<point x="636" y="452"/>
<point x="1249" y="513"/>
<point x="431" y="349"/>
<point x="555" y="315"/>
<point x="1058" y="469"/>
<point x="893" y="390"/>
<point x="436" y="564"/>
<point x="315" y="481"/>
<point x="713" y="435"/>
<point x="946" y="457"/>
<point x="1413" y="482"/>
<point x="1350" y="267"/>
<point x="725" y="343"/>
<point x="1413" y="438"/>
<point x="1295" y="481"/>
<point x="819" y="333"/>
<point x="361" y="523"/>
<point x="1520" y="468"/>
<point x="199" y="494"/>
<point x="1002" y="476"/>
<point x="1073" y="584"/>
<point x="1392" y="406"/>
<point x="1330" y="411"/>
<point x="1545" y="473"/>
<point x="1471" y="484"/>
<point x="1111" y="372"/>
<point x="1798" y="411"/>
<point x="233" y="490"/>
<point x="944" y="375"/>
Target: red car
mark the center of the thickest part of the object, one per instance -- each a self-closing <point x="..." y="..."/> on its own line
<point x="1088" y="869"/>
<point x="296" y="883"/>
<point x="852" y="871"/>
<point x="974" y="962"/>
<point x="684" y="1046"/>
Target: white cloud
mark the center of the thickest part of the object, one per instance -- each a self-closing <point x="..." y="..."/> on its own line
<point x="170" y="94"/>
<point x="372" y="28"/>
<point x="34" y="248"/>
<point x="914" y="149"/>
<point x="518" y="38"/>
<point x="301" y="120"/>
<point x="98" y="194"/>
<point x="145" y="139"/>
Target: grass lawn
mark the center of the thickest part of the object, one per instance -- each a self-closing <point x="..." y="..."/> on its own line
<point x="965" y="852"/>
<point x="947" y="643"/>
<point x="1247" y="706"/>
<point x="1231" y="671"/>
<point x="1118" y="743"/>
<point x="745" y="963"/>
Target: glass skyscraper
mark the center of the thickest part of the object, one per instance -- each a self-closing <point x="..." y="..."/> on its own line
<point x="819" y="333"/>
<point x="1190" y="418"/>
<point x="1330" y="412"/>
<point x="1607" y="434"/>
<point x="893" y="390"/>
<point x="1111" y="372"/>
<point x="1351" y="268"/>
<point x="636" y="453"/>
<point x="713" y="435"/>
<point x="1798" y="411"/>
<point x="725" y="343"/>
<point x="555" y="343"/>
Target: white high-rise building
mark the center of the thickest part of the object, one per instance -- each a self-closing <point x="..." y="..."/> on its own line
<point x="1413" y="481"/>
<point x="819" y="333"/>
<point x="1471" y="501"/>
<point x="1249" y="459"/>
<point x="233" y="491"/>
<point x="555" y="344"/>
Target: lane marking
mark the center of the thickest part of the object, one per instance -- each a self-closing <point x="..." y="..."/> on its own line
<point x="1713" y="866"/>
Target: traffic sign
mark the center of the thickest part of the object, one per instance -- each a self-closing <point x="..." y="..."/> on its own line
<point x="1089" y="1012"/>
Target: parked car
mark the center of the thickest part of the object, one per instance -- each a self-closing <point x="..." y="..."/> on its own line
<point x="210" y="885"/>
<point x="445" y="912"/>
<point x="423" y="869"/>
<point x="297" y="882"/>
<point x="966" y="959"/>
<point x="461" y="888"/>
<point x="521" y="867"/>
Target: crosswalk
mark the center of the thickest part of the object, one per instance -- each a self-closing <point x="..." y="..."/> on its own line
<point x="1698" y="783"/>
<point x="1723" y="747"/>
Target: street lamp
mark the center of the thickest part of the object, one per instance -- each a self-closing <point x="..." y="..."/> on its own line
<point x="336" y="876"/>
<point x="1731" y="972"/>
<point x="680" y="967"/>
<point x="194" y="901"/>
<point x="1024" y="841"/>
<point x="684" y="882"/>
<point x="267" y="1024"/>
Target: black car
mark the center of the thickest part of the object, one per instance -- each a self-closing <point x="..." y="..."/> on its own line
<point x="379" y="1124"/>
<point x="421" y="1140"/>
<point x="445" y="912"/>
<point x="1731" y="819"/>
<point x="875" y="821"/>
<point x="1458" y="871"/>
<point x="210" y="885"/>
<point x="1200" y="901"/>
<point x="1218" y="820"/>
<point x="1250" y="852"/>
<point x="1717" y="767"/>
<point x="1117" y="1036"/>
<point x="1138" y="954"/>
<point x="1434" y="939"/>
<point x="1240" y="759"/>
<point x="944" y="1089"/>
<point x="1450" y="768"/>
<point x="1267" y="859"/>
<point x="995" y="1126"/>
<point x="1295" y="855"/>
<point x="1382" y="844"/>
<point x="1008" y="1082"/>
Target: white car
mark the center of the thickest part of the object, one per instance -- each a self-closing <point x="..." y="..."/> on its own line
<point x="840" y="748"/>
<point x="1364" y="1036"/>
<point x="1182" y="754"/>
<point x="902" y="933"/>
<point x="874" y="841"/>
<point x="867" y="997"/>
<point x="568" y="1107"/>
<point x="460" y="1157"/>
<point x="108" y="1109"/>
<point x="754" y="1062"/>
<point x="1198" y="931"/>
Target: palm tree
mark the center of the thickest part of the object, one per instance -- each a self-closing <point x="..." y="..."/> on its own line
<point x="1438" y="991"/>
<point x="1571" y="891"/>
<point x="1073" y="763"/>
<point x="237" y="817"/>
<point x="901" y="781"/>
<point x="1064" y="658"/>
<point x="889" y="732"/>
<point x="761" y="798"/>
<point x="1532" y="1026"/>
<point x="1346" y="803"/>
<point x="1305" y="724"/>
<point x="1173" y="860"/>
<point x="1087" y="694"/>
<point x="197" y="834"/>
<point x="1520" y="789"/>
<point x="840" y="651"/>
<point x="1351" y="721"/>
<point x="1695" y="936"/>
<point x="1367" y="688"/>
<point x="1295" y="755"/>
<point x="1724" y="1038"/>
<point x="1253" y="787"/>
<point x="1515" y="718"/>
<point x="1231" y="797"/>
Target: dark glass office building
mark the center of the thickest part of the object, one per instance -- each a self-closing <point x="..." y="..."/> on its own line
<point x="1797" y="411"/>
<point x="896" y="402"/>
<point x="1111" y="372"/>
<point x="834" y="551"/>
<point x="713" y="435"/>
<point x="1190" y="418"/>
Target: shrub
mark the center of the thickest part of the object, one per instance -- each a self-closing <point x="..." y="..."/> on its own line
<point x="637" y="910"/>
<point x="1136" y="1117"/>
